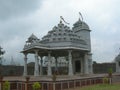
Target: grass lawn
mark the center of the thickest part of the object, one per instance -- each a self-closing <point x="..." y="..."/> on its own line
<point x="100" y="87"/>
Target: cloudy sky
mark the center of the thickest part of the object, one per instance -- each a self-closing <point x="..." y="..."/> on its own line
<point x="20" y="18"/>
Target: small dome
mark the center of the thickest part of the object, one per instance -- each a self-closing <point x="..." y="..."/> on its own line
<point x="32" y="38"/>
<point x="81" y="24"/>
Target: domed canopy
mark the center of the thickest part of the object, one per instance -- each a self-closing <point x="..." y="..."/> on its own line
<point x="81" y="25"/>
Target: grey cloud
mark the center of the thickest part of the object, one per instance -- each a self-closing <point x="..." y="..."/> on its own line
<point x="12" y="8"/>
<point x="15" y="28"/>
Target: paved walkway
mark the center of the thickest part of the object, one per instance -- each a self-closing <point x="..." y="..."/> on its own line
<point x="49" y="78"/>
<point x="116" y="78"/>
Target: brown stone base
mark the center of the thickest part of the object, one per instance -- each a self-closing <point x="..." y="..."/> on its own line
<point x="62" y="82"/>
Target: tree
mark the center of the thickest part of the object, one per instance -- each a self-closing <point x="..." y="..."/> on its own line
<point x="1" y="55"/>
<point x="36" y="86"/>
<point x="1" y="58"/>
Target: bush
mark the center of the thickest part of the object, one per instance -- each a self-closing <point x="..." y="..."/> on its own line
<point x="36" y="86"/>
<point x="110" y="71"/>
<point x="105" y="80"/>
<point x="54" y="77"/>
<point x="6" y="85"/>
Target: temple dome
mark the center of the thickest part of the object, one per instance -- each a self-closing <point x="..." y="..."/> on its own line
<point x="61" y="33"/>
<point x="81" y="25"/>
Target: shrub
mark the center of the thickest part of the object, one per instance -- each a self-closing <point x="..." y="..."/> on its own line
<point x="6" y="85"/>
<point x="105" y="80"/>
<point x="54" y="77"/>
<point x="36" y="86"/>
<point x="110" y="70"/>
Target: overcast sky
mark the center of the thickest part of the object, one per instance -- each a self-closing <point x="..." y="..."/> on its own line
<point x="20" y="18"/>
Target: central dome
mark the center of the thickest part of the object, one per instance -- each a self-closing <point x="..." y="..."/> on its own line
<point x="61" y="33"/>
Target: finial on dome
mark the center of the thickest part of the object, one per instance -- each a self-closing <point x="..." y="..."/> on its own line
<point x="79" y="19"/>
<point x="62" y="19"/>
<point x="80" y="16"/>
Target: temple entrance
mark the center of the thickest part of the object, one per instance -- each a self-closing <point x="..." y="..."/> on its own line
<point x="77" y="66"/>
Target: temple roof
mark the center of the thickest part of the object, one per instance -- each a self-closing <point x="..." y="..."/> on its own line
<point x="60" y="37"/>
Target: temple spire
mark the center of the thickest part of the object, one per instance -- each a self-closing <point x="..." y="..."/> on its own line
<point x="80" y="16"/>
<point x="62" y="19"/>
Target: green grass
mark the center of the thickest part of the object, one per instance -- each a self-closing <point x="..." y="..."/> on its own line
<point x="102" y="87"/>
<point x="99" y="87"/>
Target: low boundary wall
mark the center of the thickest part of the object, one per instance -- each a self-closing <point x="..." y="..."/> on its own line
<point x="26" y="84"/>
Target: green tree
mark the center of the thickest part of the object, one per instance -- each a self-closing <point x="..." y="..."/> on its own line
<point x="1" y="55"/>
<point x="6" y="85"/>
<point x="36" y="86"/>
<point x="1" y="58"/>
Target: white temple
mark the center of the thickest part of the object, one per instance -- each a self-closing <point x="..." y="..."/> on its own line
<point x="62" y="41"/>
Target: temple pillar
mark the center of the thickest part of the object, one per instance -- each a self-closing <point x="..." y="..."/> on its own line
<point x="70" y="72"/>
<point x="49" y="64"/>
<point x="56" y="65"/>
<point x="82" y="66"/>
<point x="117" y="67"/>
<point x="90" y="64"/>
<point x="36" y="71"/>
<point x="41" y="66"/>
<point x="86" y="64"/>
<point x="74" y="68"/>
<point x="25" y="65"/>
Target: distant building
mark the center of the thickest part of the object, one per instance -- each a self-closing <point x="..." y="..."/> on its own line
<point x="61" y="62"/>
<point x="99" y="68"/>
<point x="62" y="41"/>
